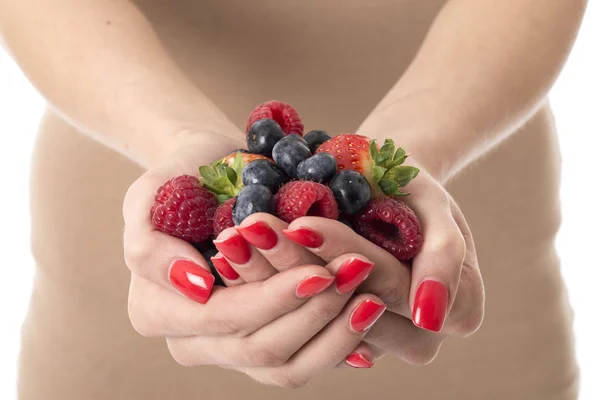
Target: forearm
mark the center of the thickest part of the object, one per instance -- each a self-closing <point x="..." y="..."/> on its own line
<point x="483" y="69"/>
<point x="101" y="66"/>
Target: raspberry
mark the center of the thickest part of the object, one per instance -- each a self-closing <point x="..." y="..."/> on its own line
<point x="284" y="114"/>
<point x="300" y="198"/>
<point x="223" y="217"/>
<point x="184" y="209"/>
<point x="391" y="225"/>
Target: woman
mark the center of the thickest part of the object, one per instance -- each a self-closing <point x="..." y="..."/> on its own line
<point x="143" y="92"/>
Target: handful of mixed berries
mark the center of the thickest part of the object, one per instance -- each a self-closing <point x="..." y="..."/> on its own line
<point x="291" y="175"/>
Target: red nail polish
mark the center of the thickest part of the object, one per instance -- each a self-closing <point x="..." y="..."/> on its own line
<point x="259" y="234"/>
<point x="304" y="237"/>
<point x="225" y="269"/>
<point x="313" y="285"/>
<point x="192" y="280"/>
<point x="365" y="315"/>
<point x="431" y="305"/>
<point x="235" y="248"/>
<point x="352" y="273"/>
<point x="357" y="360"/>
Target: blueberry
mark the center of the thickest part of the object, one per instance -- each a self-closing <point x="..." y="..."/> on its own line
<point x="263" y="172"/>
<point x="315" y="139"/>
<point x="263" y="135"/>
<point x="252" y="199"/>
<point x="209" y="250"/>
<point x="319" y="168"/>
<point x="351" y="190"/>
<point x="295" y="136"/>
<point x="289" y="152"/>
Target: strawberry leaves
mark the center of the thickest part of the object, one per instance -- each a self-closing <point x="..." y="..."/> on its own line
<point x="222" y="180"/>
<point x="388" y="172"/>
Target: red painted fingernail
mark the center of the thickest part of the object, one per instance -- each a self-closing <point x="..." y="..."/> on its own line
<point x="357" y="360"/>
<point x="352" y="273"/>
<point x="192" y="280"/>
<point x="235" y="248"/>
<point x="431" y="305"/>
<point x="222" y="265"/>
<point x="313" y="285"/>
<point x="259" y="234"/>
<point x="304" y="237"/>
<point x="365" y="315"/>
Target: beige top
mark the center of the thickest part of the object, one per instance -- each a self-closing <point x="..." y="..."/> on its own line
<point x="334" y="61"/>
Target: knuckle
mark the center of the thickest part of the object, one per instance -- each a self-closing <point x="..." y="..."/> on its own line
<point x="283" y="379"/>
<point x="423" y="352"/>
<point x="180" y="354"/>
<point x="136" y="253"/>
<point x="323" y="312"/>
<point x="139" y="319"/>
<point x="394" y="294"/>
<point x="451" y="245"/>
<point x="223" y="326"/>
<point x="263" y="356"/>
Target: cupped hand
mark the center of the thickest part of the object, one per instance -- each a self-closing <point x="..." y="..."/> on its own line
<point x="440" y="294"/>
<point x="280" y="328"/>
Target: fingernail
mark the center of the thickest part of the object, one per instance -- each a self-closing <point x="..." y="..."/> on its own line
<point x="225" y="269"/>
<point x="313" y="285"/>
<point x="235" y="248"/>
<point x="357" y="360"/>
<point x="259" y="234"/>
<point x="351" y="274"/>
<point x="192" y="280"/>
<point x="304" y="237"/>
<point x="365" y="315"/>
<point x="431" y="305"/>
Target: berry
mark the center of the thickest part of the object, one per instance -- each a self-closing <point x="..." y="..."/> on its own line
<point x="391" y="225"/>
<point x="300" y="198"/>
<point x="315" y="139"/>
<point x="223" y="217"/>
<point x="381" y="167"/>
<point x="263" y="172"/>
<point x="184" y="209"/>
<point x="224" y="177"/>
<point x="288" y="153"/>
<point x="208" y="250"/>
<point x="262" y="136"/>
<point x="295" y="136"/>
<point x="318" y="168"/>
<point x="351" y="190"/>
<point x="284" y="114"/>
<point x="253" y="199"/>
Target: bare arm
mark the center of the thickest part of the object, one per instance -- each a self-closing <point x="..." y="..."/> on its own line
<point x="483" y="69"/>
<point x="101" y="66"/>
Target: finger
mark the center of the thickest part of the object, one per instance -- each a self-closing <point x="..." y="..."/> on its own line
<point x="264" y="231"/>
<point x="328" y="239"/>
<point x="236" y="311"/>
<point x="276" y="342"/>
<point x="229" y="275"/>
<point x="436" y="269"/>
<point x="329" y="348"/>
<point x="245" y="259"/>
<point x="362" y="357"/>
<point x="398" y="336"/>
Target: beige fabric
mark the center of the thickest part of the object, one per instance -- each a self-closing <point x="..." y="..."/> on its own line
<point x="77" y="341"/>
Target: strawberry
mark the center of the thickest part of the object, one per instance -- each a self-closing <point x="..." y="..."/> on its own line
<point x="223" y="217"/>
<point x="391" y="225"/>
<point x="184" y="209"/>
<point x="224" y="177"/>
<point x="381" y="167"/>
<point x="300" y="198"/>
<point x="284" y="114"/>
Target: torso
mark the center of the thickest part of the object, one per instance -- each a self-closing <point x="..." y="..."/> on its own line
<point x="334" y="61"/>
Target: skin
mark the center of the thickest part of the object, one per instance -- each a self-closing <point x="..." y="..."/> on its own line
<point x="147" y="109"/>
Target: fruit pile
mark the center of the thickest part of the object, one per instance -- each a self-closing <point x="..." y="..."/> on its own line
<point x="291" y="175"/>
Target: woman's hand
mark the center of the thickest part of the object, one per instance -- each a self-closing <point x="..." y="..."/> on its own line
<point x="442" y="292"/>
<point x="284" y="329"/>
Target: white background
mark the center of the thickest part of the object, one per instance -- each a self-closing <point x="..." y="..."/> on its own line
<point x="575" y="102"/>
